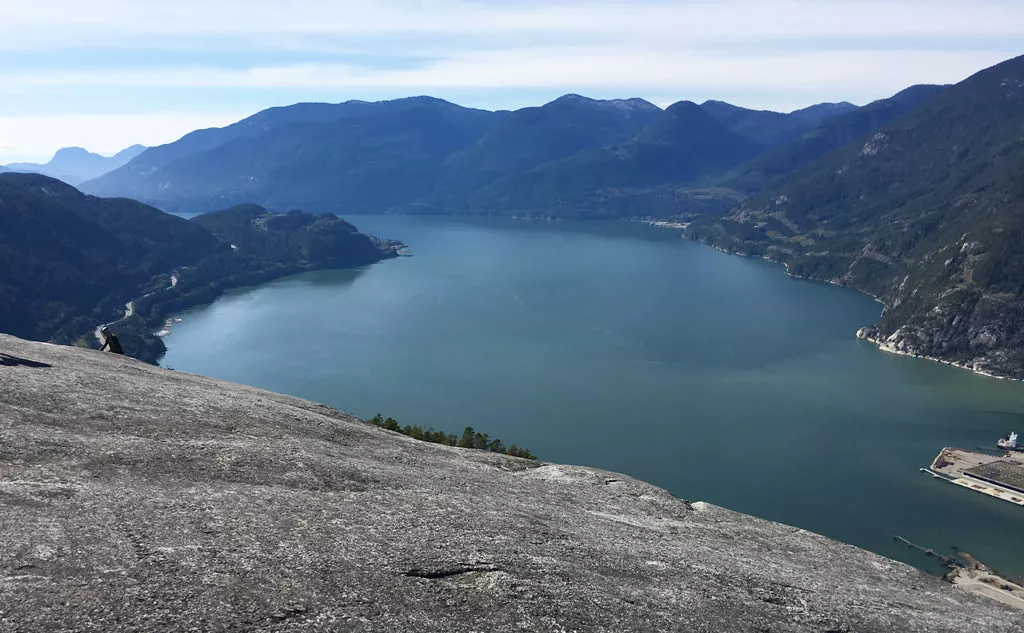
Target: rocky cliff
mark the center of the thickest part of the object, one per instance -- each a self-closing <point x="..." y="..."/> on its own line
<point x="139" y="498"/>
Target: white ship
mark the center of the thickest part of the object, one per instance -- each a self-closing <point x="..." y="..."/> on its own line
<point x="1009" y="443"/>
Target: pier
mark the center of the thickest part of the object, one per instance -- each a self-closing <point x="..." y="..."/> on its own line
<point x="973" y="576"/>
<point x="999" y="477"/>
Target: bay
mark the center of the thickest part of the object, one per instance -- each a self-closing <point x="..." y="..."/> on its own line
<point x="624" y="347"/>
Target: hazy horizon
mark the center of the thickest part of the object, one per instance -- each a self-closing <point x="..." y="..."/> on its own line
<point x="125" y="72"/>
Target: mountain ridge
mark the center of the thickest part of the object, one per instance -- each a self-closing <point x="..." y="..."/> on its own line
<point x="337" y="157"/>
<point x="828" y="134"/>
<point x="258" y="159"/>
<point x="684" y="143"/>
<point x="772" y="128"/>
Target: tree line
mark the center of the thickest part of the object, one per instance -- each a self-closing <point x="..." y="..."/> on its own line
<point x="470" y="438"/>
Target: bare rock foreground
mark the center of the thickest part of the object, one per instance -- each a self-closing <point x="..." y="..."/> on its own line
<point x="138" y="498"/>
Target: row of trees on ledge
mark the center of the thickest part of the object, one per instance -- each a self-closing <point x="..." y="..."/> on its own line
<point x="469" y="438"/>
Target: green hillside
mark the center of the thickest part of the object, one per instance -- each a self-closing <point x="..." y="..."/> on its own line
<point x="827" y="135"/>
<point x="530" y="137"/>
<point x="349" y="157"/>
<point x="773" y="128"/>
<point x="682" y="145"/>
<point x="572" y="157"/>
<point x="69" y="262"/>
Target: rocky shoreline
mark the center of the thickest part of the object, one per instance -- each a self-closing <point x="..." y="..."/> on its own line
<point x="890" y="345"/>
<point x="894" y="343"/>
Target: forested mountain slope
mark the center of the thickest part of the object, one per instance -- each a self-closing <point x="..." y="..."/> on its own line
<point x="829" y="134"/>
<point x="773" y="128"/>
<point x="530" y="137"/>
<point x="423" y="155"/>
<point x="348" y="157"/>
<point x="683" y="144"/>
<point x="927" y="213"/>
<point x="69" y="262"/>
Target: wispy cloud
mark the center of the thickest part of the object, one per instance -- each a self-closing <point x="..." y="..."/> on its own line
<point x="69" y="58"/>
<point x="629" y="69"/>
<point x="701" y="19"/>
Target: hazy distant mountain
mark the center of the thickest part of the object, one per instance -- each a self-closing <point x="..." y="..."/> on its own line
<point x="353" y="157"/>
<point x="773" y="128"/>
<point x="75" y="165"/>
<point x="427" y="155"/>
<point x="926" y="212"/>
<point x="530" y="137"/>
<point x="683" y="144"/>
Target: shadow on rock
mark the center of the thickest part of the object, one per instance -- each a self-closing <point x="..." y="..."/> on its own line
<point x="13" y="361"/>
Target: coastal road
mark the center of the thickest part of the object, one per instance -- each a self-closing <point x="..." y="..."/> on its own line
<point x="129" y="309"/>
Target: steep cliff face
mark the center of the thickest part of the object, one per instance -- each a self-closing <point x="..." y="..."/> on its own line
<point x="139" y="498"/>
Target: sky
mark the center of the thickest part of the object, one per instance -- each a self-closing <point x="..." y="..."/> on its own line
<point x="106" y="74"/>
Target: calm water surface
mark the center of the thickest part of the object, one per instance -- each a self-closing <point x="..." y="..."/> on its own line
<point x="626" y="348"/>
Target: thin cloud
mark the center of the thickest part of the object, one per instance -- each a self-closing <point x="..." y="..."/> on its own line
<point x="629" y="69"/>
<point x="766" y="18"/>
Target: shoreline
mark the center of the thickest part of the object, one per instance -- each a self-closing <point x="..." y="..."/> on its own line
<point x="394" y="250"/>
<point x="888" y="348"/>
<point x="158" y="326"/>
<point x="664" y="224"/>
<point x="881" y="345"/>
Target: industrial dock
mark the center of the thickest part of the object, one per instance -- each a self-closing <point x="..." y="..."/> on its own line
<point x="1001" y="477"/>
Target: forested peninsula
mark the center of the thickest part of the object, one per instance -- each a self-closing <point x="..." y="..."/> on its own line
<point x="70" y="262"/>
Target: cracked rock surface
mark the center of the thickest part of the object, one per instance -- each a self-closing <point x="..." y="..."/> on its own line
<point x="138" y="498"/>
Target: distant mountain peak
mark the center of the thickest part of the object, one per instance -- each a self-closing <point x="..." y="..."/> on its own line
<point x="721" y="105"/>
<point x="72" y="152"/>
<point x="685" y="104"/>
<point x="834" y="107"/>
<point x="132" y="149"/>
<point x="688" y="110"/>
<point x="573" y="97"/>
<point x="75" y="165"/>
<point x="633" y="103"/>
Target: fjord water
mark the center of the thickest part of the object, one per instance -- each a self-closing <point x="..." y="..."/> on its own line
<point x="624" y="347"/>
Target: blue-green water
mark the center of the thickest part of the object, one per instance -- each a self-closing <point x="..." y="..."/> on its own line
<point x="627" y="348"/>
